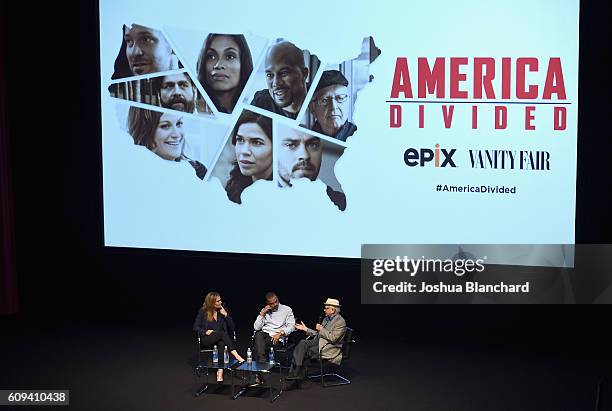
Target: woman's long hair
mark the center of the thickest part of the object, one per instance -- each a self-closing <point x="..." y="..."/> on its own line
<point x="209" y="304"/>
<point x="246" y="67"/>
<point x="142" y="125"/>
<point x="238" y="181"/>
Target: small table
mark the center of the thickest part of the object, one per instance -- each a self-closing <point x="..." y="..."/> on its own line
<point x="210" y="365"/>
<point x="258" y="367"/>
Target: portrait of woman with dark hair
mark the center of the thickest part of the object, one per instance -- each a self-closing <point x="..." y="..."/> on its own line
<point x="252" y="140"/>
<point x="223" y="67"/>
<point x="163" y="134"/>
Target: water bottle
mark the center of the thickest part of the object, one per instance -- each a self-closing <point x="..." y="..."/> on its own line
<point x="215" y="355"/>
<point x="225" y="356"/>
<point x="271" y="355"/>
<point x="249" y="355"/>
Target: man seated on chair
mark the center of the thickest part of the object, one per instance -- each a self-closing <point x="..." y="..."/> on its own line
<point x="327" y="341"/>
<point x="274" y="322"/>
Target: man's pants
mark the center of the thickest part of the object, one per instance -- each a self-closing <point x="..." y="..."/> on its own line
<point x="263" y="341"/>
<point x="304" y="351"/>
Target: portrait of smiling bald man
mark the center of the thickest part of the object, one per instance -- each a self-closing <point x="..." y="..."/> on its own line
<point x="286" y="76"/>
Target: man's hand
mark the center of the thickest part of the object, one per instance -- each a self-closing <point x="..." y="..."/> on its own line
<point x="319" y="327"/>
<point x="301" y="326"/>
<point x="264" y="310"/>
<point x="276" y="337"/>
<point x="223" y="312"/>
<point x="209" y="332"/>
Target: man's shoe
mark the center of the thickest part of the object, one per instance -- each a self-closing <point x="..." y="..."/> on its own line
<point x="294" y="375"/>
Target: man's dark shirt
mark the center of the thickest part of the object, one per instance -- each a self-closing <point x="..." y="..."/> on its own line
<point x="262" y="99"/>
<point x="337" y="197"/>
<point x="345" y="131"/>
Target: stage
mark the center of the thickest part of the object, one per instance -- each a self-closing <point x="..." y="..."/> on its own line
<point x="149" y="366"/>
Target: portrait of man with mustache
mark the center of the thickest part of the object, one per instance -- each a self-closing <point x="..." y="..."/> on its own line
<point x="299" y="157"/>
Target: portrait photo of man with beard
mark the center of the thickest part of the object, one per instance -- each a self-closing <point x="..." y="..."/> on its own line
<point x="174" y="91"/>
<point x="301" y="155"/>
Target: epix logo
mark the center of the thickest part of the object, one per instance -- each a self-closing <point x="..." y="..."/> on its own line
<point x="420" y="157"/>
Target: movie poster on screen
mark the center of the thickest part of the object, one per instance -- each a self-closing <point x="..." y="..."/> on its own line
<point x="312" y="130"/>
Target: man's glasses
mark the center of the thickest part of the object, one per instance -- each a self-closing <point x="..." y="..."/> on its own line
<point x="340" y="98"/>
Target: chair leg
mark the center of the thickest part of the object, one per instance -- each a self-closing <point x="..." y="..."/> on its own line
<point x="202" y="390"/>
<point x="343" y="380"/>
<point x="204" y="387"/>
<point x="322" y="376"/>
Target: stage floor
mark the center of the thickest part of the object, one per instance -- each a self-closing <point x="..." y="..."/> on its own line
<point x="143" y="367"/>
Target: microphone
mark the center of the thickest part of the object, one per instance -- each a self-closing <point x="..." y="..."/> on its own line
<point x="320" y="321"/>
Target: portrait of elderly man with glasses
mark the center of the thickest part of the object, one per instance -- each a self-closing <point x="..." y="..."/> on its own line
<point x="330" y="106"/>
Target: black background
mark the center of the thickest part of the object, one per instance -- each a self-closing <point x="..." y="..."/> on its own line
<point x="65" y="273"/>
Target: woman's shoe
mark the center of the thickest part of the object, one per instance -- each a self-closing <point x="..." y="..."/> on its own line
<point x="237" y="356"/>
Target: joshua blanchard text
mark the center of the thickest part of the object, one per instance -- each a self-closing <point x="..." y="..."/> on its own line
<point x="467" y="287"/>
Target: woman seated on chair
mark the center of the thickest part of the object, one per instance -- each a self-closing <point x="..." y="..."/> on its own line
<point x="215" y="327"/>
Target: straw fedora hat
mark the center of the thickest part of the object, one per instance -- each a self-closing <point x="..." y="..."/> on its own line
<point x="333" y="302"/>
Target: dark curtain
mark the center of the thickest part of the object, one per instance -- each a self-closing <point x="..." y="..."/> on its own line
<point x="8" y="281"/>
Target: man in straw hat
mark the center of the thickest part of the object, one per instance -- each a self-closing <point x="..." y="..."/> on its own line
<point x="327" y="340"/>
